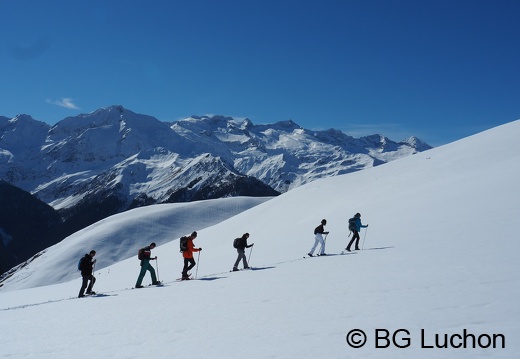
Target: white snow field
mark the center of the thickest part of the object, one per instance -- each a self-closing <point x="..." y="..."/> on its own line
<point x="439" y="273"/>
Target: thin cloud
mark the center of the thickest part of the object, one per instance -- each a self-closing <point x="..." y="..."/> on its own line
<point x="64" y="102"/>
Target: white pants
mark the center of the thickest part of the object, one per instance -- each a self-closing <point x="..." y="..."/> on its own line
<point x="318" y="238"/>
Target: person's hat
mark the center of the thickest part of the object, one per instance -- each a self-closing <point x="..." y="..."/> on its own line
<point x="194" y="234"/>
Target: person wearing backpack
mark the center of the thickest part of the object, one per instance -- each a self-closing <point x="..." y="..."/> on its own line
<point x="241" y="244"/>
<point x="86" y="266"/>
<point x="318" y="238"/>
<point x="354" y="225"/>
<point x="145" y="255"/>
<point x="187" y="254"/>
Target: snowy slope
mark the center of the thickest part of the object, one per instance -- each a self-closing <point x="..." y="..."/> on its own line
<point x="120" y="236"/>
<point x="440" y="256"/>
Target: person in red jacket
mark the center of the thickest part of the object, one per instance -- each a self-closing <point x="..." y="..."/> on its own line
<point x="189" y="262"/>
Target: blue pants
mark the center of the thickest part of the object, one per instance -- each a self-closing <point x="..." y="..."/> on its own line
<point x="146" y="266"/>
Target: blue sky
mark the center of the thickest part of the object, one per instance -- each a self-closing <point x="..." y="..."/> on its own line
<point x="440" y="70"/>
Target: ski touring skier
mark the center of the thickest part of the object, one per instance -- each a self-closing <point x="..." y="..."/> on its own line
<point x="318" y="239"/>
<point x="145" y="255"/>
<point x="241" y="244"/>
<point x="86" y="266"/>
<point x="187" y="254"/>
<point x="355" y="226"/>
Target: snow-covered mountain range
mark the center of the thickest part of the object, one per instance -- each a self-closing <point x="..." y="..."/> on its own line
<point x="143" y="160"/>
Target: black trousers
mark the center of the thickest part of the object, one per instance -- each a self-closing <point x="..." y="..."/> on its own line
<point x="189" y="263"/>
<point x="355" y="237"/>
<point x="86" y="279"/>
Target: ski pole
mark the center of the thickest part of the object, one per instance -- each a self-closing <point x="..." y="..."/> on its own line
<point x="197" y="270"/>
<point x="157" y="265"/>
<point x="364" y="237"/>
<point x="249" y="259"/>
<point x="93" y="271"/>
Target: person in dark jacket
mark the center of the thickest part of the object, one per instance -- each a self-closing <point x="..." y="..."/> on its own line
<point x="241" y="249"/>
<point x="146" y="257"/>
<point x="189" y="262"/>
<point x="357" y="227"/>
<point x="318" y="238"/>
<point x="86" y="266"/>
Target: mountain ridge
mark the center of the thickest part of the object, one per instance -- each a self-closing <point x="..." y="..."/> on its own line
<point x="52" y="162"/>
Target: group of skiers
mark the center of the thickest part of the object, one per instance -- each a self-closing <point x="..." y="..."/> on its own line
<point x="86" y="264"/>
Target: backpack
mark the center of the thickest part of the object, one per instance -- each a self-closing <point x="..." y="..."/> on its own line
<point x="80" y="263"/>
<point x="140" y="254"/>
<point x="352" y="224"/>
<point x="183" y="244"/>
<point x="237" y="243"/>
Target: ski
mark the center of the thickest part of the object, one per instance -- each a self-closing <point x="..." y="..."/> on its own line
<point x="240" y="270"/>
<point x="160" y="284"/>
<point x="349" y="252"/>
<point x="95" y="295"/>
